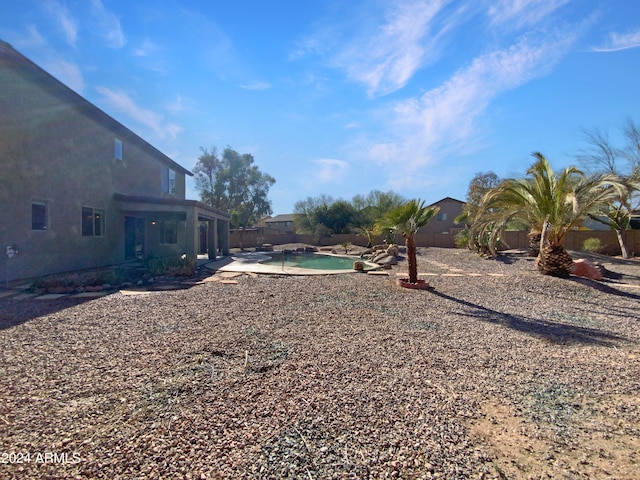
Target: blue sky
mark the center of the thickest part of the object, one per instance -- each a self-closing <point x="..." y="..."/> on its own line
<point x="344" y="97"/>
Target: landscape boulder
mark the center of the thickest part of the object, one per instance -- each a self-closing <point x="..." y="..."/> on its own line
<point x="393" y="250"/>
<point x="384" y="259"/>
<point x="387" y="260"/>
<point x="584" y="268"/>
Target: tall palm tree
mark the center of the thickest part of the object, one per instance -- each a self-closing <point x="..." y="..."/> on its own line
<point x="551" y="204"/>
<point x="408" y="219"/>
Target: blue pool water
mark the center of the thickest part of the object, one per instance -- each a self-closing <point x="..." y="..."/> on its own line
<point x="311" y="260"/>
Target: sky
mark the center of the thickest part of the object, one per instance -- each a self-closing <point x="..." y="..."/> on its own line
<point x="344" y="97"/>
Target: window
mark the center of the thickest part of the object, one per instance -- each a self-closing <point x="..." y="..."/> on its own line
<point x="39" y="220"/>
<point x="169" y="232"/>
<point x="117" y="149"/>
<point x="442" y="217"/>
<point x="168" y="181"/>
<point x="92" y="222"/>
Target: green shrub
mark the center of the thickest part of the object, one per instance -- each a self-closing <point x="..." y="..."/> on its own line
<point x="389" y="236"/>
<point x="182" y="265"/>
<point x="320" y="234"/>
<point x="115" y="276"/>
<point x="462" y="238"/>
<point x="156" y="266"/>
<point x="593" y="245"/>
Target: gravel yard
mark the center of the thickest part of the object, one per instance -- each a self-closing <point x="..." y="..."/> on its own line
<point x="499" y="372"/>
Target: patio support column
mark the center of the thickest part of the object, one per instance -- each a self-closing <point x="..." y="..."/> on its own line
<point x="192" y="233"/>
<point x="223" y="228"/>
<point x="212" y="238"/>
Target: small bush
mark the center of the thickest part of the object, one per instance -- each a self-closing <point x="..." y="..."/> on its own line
<point x="115" y="276"/>
<point x="159" y="266"/>
<point x="593" y="245"/>
<point x="462" y="238"/>
<point x="174" y="265"/>
<point x="320" y="233"/>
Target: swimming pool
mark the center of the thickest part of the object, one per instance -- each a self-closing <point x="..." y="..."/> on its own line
<point x="294" y="263"/>
<point x="314" y="261"/>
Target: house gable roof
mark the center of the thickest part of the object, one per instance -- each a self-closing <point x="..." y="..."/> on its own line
<point x="447" y="199"/>
<point x="287" y="217"/>
<point x="11" y="58"/>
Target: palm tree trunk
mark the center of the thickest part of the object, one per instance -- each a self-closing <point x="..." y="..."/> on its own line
<point x="411" y="258"/>
<point x="553" y="259"/>
<point x="534" y="244"/>
<point x="623" y="246"/>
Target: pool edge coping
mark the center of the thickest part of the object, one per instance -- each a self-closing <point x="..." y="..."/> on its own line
<point x="249" y="262"/>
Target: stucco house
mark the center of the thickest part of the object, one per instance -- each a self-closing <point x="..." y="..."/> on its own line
<point x="79" y="190"/>
<point x="280" y="223"/>
<point x="444" y="221"/>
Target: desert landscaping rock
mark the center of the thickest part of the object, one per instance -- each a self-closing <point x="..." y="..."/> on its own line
<point x="499" y="372"/>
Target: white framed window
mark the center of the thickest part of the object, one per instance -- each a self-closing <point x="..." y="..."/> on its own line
<point x="442" y="217"/>
<point x="92" y="222"/>
<point x="168" y="181"/>
<point x="117" y="149"/>
<point x="39" y="215"/>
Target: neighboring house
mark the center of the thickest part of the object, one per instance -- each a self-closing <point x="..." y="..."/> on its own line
<point x="280" y="223"/>
<point x="261" y="223"/>
<point x="444" y="221"/>
<point x="591" y="224"/>
<point x="79" y="190"/>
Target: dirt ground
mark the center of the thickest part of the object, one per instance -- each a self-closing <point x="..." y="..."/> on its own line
<point x="498" y="372"/>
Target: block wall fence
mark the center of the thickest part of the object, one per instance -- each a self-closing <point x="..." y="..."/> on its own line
<point x="574" y="240"/>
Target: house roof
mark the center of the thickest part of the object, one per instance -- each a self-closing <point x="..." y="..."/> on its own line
<point x="11" y="58"/>
<point x="445" y="199"/>
<point x="287" y="217"/>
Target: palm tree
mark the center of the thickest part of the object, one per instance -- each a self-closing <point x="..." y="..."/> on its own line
<point x="369" y="231"/>
<point x="408" y="219"/>
<point x="617" y="215"/>
<point x="618" y="219"/>
<point x="551" y="205"/>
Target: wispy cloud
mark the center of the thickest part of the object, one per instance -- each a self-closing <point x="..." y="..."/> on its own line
<point x="445" y="120"/>
<point x="146" y="49"/>
<point x="121" y="102"/>
<point x="177" y="106"/>
<point x="330" y="170"/>
<point x="215" y="48"/>
<point x="257" y="86"/>
<point x="32" y="39"/>
<point x="151" y="57"/>
<point x="617" y="42"/>
<point x="61" y="14"/>
<point x="382" y="45"/>
<point x="67" y="72"/>
<point x="108" y="24"/>
<point x="519" y="13"/>
<point x="394" y="50"/>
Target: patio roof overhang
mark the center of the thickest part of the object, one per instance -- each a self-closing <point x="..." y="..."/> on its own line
<point x="141" y="203"/>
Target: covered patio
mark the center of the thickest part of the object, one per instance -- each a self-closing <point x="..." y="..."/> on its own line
<point x="166" y="226"/>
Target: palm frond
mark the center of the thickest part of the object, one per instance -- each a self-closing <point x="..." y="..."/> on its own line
<point x="410" y="217"/>
<point x="558" y="201"/>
